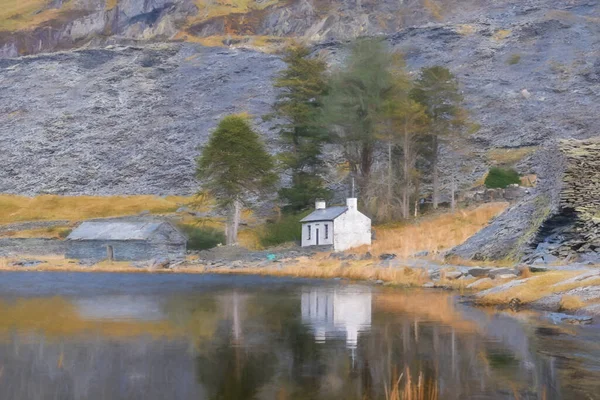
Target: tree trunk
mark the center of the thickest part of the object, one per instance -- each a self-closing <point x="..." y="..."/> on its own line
<point x="233" y="223"/>
<point x="436" y="180"/>
<point x="407" y="171"/>
<point x="389" y="183"/>
<point x="453" y="192"/>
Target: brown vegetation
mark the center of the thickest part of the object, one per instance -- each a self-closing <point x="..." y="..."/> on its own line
<point x="434" y="233"/>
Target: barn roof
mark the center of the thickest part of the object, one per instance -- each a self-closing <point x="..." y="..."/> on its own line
<point x="115" y="230"/>
<point x="325" y="214"/>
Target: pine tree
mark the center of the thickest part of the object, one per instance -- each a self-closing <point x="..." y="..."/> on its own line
<point x="438" y="91"/>
<point x="233" y="167"/>
<point x="299" y="106"/>
<point x="356" y="102"/>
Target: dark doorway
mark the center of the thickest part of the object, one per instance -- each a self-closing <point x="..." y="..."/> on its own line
<point x="317" y="235"/>
<point x="110" y="253"/>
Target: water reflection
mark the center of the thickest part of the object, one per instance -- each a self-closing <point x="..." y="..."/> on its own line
<point x="251" y="338"/>
<point x="339" y="311"/>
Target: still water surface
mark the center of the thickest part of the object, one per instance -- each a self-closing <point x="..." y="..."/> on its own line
<point x="140" y="336"/>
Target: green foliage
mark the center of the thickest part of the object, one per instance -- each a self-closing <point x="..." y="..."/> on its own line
<point x="305" y="189"/>
<point x="299" y="105"/>
<point x="501" y="178"/>
<point x="356" y="101"/>
<point x="64" y="233"/>
<point x="234" y="164"/>
<point x="202" y="238"/>
<point x="514" y="59"/>
<point x="437" y="89"/>
<point x="286" y="229"/>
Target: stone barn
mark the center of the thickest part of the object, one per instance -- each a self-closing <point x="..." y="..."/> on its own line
<point x="125" y="241"/>
<point x="340" y="227"/>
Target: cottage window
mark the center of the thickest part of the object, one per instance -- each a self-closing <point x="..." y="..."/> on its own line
<point x="326" y="231"/>
<point x="309" y="231"/>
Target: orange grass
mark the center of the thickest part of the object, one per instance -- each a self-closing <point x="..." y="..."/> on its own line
<point x="571" y="303"/>
<point x="411" y="390"/>
<point x="26" y="14"/>
<point x="534" y="288"/>
<point x="433" y="234"/>
<point x="75" y="208"/>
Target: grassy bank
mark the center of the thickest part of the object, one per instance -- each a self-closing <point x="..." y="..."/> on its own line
<point x="77" y="208"/>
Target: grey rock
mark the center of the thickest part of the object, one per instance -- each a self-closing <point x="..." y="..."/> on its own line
<point x="452" y="275"/>
<point x="570" y="319"/>
<point x="506" y="276"/>
<point x="120" y="128"/>
<point x="387" y="256"/>
<point x="579" y="278"/>
<point x="501" y="288"/>
<point x="423" y="253"/>
<point x="478" y="271"/>
<point x="494" y="272"/>
<point x="25" y="263"/>
<point x="479" y="283"/>
<point x="428" y="285"/>
<point x="538" y="269"/>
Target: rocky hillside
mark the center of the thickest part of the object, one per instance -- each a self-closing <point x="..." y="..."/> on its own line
<point x="123" y="120"/>
<point x="127" y="119"/>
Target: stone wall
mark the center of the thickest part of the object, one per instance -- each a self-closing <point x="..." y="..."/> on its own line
<point x="573" y="232"/>
<point x="14" y="247"/>
<point x="130" y="250"/>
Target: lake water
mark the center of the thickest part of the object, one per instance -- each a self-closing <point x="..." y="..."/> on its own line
<point x="142" y="336"/>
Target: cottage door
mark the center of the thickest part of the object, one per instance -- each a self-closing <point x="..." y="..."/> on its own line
<point x="110" y="253"/>
<point x="317" y="235"/>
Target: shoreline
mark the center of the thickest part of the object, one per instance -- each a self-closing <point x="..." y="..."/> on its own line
<point x="553" y="291"/>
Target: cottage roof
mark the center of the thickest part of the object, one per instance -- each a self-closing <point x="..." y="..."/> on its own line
<point x="325" y="214"/>
<point x="116" y="230"/>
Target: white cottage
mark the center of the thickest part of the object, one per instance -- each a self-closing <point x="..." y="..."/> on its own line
<point x="340" y="227"/>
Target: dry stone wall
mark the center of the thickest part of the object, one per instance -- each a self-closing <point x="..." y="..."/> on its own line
<point x="573" y="233"/>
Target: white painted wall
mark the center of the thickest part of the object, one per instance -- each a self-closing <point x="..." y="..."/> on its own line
<point x="325" y="234"/>
<point x="351" y="229"/>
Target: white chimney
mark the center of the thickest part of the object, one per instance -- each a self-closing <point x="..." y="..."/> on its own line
<point x="320" y="205"/>
<point x="352" y="203"/>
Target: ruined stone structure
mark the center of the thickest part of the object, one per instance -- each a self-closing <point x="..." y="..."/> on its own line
<point x="125" y="241"/>
<point x="574" y="231"/>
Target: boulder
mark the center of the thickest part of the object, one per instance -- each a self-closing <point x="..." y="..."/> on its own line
<point x="387" y="256"/>
<point x="494" y="272"/>
<point x="479" y="283"/>
<point x="453" y="275"/>
<point x="478" y="271"/>
<point x="506" y="276"/>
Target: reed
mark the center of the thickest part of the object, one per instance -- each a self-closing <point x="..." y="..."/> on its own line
<point x="405" y="388"/>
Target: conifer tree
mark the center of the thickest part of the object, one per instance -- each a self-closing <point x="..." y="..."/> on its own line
<point x="438" y="91"/>
<point x="233" y="167"/>
<point x="299" y="105"/>
<point x="355" y="103"/>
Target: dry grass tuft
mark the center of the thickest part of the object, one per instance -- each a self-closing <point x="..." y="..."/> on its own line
<point x="110" y="4"/>
<point x="434" y="8"/>
<point x="525" y="272"/>
<point x="509" y="157"/>
<point x="501" y="34"/>
<point x="569" y="303"/>
<point x="411" y="390"/>
<point x="433" y="234"/>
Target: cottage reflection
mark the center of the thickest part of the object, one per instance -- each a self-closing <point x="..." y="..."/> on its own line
<point x="337" y="312"/>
